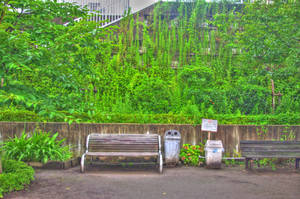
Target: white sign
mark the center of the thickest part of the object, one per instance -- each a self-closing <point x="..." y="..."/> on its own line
<point x="209" y="125"/>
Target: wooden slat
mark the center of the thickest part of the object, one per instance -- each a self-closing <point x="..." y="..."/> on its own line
<point x="124" y="142"/>
<point x="123" y="138"/>
<point x="273" y="150"/>
<point x="121" y="144"/>
<point x="271" y="146"/>
<point x="125" y="150"/>
<point x="124" y="135"/>
<point x="124" y="147"/>
<point x="132" y="145"/>
<point x="269" y="142"/>
<point x="270" y="156"/>
<point x="132" y="148"/>
<point x="127" y="154"/>
<point x="270" y="149"/>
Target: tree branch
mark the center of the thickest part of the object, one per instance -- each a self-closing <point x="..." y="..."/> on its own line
<point x="3" y="12"/>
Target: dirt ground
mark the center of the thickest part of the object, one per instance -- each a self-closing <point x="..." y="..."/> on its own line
<point x="174" y="183"/>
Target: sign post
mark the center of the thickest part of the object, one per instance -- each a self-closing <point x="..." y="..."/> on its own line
<point x="213" y="148"/>
<point x="209" y="126"/>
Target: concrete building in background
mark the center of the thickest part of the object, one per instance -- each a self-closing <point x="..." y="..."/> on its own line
<point x="137" y="5"/>
<point x="112" y="11"/>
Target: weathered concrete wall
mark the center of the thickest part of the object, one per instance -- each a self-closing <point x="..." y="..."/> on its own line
<point x="230" y="135"/>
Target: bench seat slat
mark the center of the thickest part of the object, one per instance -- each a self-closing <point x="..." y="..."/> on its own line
<point x="112" y="149"/>
<point x="126" y="137"/>
<point x="129" y="151"/>
<point x="122" y="142"/>
<point x="125" y="154"/>
<point x="261" y="147"/>
<point x="265" y="142"/>
<point x="272" y="154"/>
<point x="119" y="136"/>
<point x="269" y="150"/>
<point x="125" y="140"/>
<point x="124" y="147"/>
<point x="123" y="136"/>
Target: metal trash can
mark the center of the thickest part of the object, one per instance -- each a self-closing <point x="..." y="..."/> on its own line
<point x="172" y="146"/>
<point x="213" y="154"/>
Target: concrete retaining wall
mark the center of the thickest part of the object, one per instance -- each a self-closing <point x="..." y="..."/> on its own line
<point x="230" y="135"/>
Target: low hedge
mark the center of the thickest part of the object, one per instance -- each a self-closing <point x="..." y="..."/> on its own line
<point x="15" y="176"/>
<point x="19" y="115"/>
<point x="62" y="116"/>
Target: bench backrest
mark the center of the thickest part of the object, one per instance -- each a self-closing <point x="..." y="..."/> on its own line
<point x="271" y="149"/>
<point x="123" y="143"/>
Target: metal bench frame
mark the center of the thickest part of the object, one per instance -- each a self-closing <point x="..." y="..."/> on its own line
<point x="123" y="154"/>
<point x="270" y="149"/>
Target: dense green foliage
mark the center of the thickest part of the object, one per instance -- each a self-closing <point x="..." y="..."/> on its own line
<point x="213" y="60"/>
<point x="39" y="147"/>
<point x="0" y="159"/>
<point x="288" y="118"/>
<point x="15" y="176"/>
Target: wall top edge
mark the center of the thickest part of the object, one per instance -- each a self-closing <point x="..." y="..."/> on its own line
<point x="139" y="124"/>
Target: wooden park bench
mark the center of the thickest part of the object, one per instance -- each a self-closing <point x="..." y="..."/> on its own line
<point x="270" y="149"/>
<point x="123" y="145"/>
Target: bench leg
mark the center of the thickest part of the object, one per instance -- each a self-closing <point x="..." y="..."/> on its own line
<point x="82" y="164"/>
<point x="250" y="163"/>
<point x="297" y="163"/>
<point x="258" y="163"/>
<point x="160" y="163"/>
<point x="246" y="163"/>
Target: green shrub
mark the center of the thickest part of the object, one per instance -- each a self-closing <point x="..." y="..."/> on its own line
<point x="19" y="115"/>
<point x="233" y="162"/>
<point x="189" y="154"/>
<point x="15" y="176"/>
<point x="40" y="147"/>
<point x="168" y="118"/>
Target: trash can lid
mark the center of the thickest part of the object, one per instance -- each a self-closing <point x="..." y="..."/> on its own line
<point x="172" y="134"/>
